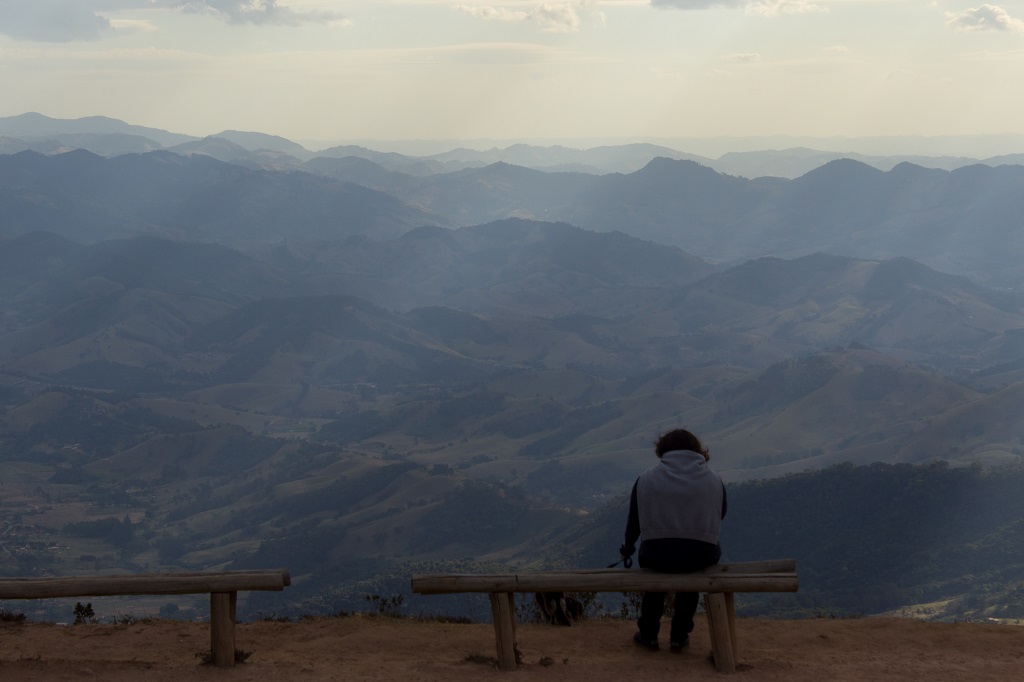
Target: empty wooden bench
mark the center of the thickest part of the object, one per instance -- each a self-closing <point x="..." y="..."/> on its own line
<point x="223" y="588"/>
<point x="719" y="582"/>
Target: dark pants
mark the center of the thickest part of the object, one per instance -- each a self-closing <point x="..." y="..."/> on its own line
<point x="652" y="607"/>
<point x="673" y="556"/>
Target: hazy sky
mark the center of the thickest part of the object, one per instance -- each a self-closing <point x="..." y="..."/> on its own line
<point x="520" y="69"/>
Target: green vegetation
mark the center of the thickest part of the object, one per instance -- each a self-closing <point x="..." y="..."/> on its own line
<point x="877" y="538"/>
<point x="7" y="616"/>
<point x="389" y="607"/>
<point x="869" y="539"/>
<point x="84" y="614"/>
<point x="158" y="415"/>
<point x="117" y="532"/>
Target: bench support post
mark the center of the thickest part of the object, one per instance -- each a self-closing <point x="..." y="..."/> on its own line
<point x="722" y="625"/>
<point x="718" y="583"/>
<point x="222" y="628"/>
<point x="503" y="614"/>
<point x="730" y="603"/>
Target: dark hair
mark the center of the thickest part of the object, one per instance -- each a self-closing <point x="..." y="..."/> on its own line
<point x="680" y="439"/>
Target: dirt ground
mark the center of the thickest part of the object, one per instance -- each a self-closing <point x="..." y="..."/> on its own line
<point x="364" y="647"/>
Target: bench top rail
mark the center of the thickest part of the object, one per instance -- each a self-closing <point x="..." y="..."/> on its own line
<point x="716" y="579"/>
<point x="143" y="584"/>
<point x="771" y="566"/>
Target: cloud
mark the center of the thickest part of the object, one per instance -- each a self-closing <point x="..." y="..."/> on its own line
<point x="558" y="18"/>
<point x="493" y="13"/>
<point x="984" y="18"/>
<point x="69" y="20"/>
<point x="743" y="57"/>
<point x="133" y="25"/>
<point x="698" y="4"/>
<point x="766" y="8"/>
<point x="774" y="8"/>
<point x="55" y="21"/>
<point x="259" y="12"/>
<point x="552" y="17"/>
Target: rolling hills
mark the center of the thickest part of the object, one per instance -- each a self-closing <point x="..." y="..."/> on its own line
<point x="209" y="364"/>
<point x="962" y="221"/>
<point x="233" y="414"/>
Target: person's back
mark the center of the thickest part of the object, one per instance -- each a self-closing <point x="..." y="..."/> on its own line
<point x="676" y="509"/>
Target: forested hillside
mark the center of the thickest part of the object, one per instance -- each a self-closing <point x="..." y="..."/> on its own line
<point x="206" y="364"/>
<point x="929" y="541"/>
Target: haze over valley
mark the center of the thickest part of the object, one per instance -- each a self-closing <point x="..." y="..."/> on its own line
<point x="234" y="351"/>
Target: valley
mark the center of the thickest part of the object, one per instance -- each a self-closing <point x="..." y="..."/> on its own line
<point x="212" y="365"/>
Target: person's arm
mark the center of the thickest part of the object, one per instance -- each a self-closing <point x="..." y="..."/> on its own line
<point x="725" y="504"/>
<point x="632" y="528"/>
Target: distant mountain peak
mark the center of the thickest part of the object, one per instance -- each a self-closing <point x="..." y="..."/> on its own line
<point x="664" y="162"/>
<point x="256" y="141"/>
<point x="34" y="125"/>
<point x="845" y="167"/>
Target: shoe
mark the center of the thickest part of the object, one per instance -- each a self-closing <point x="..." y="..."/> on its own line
<point x="649" y="644"/>
<point x="679" y="645"/>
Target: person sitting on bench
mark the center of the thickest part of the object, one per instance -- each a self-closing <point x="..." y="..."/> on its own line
<point x="676" y="507"/>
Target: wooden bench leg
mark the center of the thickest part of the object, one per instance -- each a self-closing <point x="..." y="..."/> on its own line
<point x="222" y="628"/>
<point x="730" y="603"/>
<point x="503" y="614"/>
<point x="722" y="626"/>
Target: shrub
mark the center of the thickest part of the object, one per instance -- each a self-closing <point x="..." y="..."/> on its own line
<point x="84" y="614"/>
<point x="390" y="607"/>
<point x="12" y="616"/>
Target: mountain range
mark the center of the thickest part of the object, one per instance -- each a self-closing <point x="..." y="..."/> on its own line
<point x="525" y="339"/>
<point x="778" y="157"/>
<point x="964" y="222"/>
<point x="355" y="361"/>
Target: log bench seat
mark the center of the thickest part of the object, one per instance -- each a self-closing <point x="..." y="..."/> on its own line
<point x="222" y="586"/>
<point x="719" y="583"/>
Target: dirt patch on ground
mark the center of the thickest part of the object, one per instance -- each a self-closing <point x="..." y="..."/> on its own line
<point x="374" y="648"/>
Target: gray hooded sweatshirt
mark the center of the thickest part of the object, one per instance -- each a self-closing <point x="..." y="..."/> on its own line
<point x="680" y="497"/>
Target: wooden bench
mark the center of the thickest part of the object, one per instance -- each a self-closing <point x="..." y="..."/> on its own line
<point x="719" y="582"/>
<point x="223" y="588"/>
